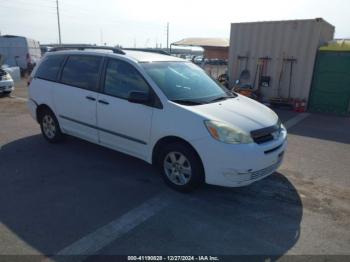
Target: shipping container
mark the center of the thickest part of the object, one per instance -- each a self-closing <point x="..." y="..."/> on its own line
<point x="279" y="55"/>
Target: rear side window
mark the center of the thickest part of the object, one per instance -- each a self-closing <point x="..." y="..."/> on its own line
<point x="49" y="68"/>
<point x="122" y="78"/>
<point x="82" y="71"/>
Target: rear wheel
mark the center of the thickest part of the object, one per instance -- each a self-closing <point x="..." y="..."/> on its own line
<point x="50" y="127"/>
<point x="181" y="167"/>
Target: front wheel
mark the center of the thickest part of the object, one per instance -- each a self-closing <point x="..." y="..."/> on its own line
<point x="50" y="127"/>
<point x="181" y="167"/>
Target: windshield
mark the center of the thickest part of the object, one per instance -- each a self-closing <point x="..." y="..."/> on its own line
<point x="186" y="83"/>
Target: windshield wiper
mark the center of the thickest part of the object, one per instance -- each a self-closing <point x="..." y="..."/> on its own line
<point x="186" y="102"/>
<point x="221" y="98"/>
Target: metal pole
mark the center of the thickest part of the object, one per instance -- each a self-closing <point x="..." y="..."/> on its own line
<point x="101" y="36"/>
<point x="167" y="36"/>
<point x="59" y="25"/>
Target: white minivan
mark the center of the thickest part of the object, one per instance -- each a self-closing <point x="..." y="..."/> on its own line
<point x="161" y="109"/>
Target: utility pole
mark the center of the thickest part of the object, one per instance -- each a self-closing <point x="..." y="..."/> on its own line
<point x="58" y="21"/>
<point x="101" y="36"/>
<point x="167" y="36"/>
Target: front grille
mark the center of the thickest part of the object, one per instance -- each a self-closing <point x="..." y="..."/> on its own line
<point x="263" y="139"/>
<point x="264" y="135"/>
<point x="273" y="149"/>
<point x="265" y="171"/>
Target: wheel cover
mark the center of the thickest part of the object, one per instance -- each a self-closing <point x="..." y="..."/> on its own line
<point x="49" y="126"/>
<point x="177" y="168"/>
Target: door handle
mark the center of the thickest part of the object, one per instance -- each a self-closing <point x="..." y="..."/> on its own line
<point x="103" y="102"/>
<point x="91" y="98"/>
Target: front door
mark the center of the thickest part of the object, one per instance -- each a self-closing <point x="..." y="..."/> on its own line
<point x="123" y="125"/>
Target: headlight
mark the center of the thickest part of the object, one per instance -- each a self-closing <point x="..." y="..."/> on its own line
<point x="283" y="127"/>
<point x="7" y="77"/>
<point x="227" y="133"/>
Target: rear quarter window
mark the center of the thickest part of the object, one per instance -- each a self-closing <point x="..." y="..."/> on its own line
<point x="49" y="68"/>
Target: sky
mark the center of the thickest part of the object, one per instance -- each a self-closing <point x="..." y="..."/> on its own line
<point x="140" y="23"/>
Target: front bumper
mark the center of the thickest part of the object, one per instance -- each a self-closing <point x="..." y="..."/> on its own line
<point x="6" y="86"/>
<point x="239" y="165"/>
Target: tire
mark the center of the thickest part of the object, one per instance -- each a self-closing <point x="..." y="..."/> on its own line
<point x="181" y="167"/>
<point x="49" y="126"/>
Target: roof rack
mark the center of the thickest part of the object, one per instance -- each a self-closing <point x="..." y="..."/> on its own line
<point x="149" y="50"/>
<point x="83" y="47"/>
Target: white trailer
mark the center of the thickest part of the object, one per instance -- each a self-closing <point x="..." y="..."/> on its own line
<point x="19" y="51"/>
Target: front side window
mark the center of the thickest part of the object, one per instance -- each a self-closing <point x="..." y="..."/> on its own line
<point x="122" y="78"/>
<point x="49" y="68"/>
<point x="82" y="71"/>
<point x="185" y="82"/>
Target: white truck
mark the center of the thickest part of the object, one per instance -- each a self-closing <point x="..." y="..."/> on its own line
<point x="19" y="51"/>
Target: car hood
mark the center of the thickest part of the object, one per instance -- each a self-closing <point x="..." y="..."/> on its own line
<point x="241" y="112"/>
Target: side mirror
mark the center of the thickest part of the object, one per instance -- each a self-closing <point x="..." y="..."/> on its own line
<point x="139" y="97"/>
<point x="246" y="86"/>
<point x="237" y="82"/>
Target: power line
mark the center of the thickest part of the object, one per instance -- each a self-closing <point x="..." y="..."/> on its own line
<point x="26" y="4"/>
<point x="33" y="2"/>
<point x="25" y="8"/>
<point x="73" y="13"/>
<point x="61" y="10"/>
<point x="34" y="5"/>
